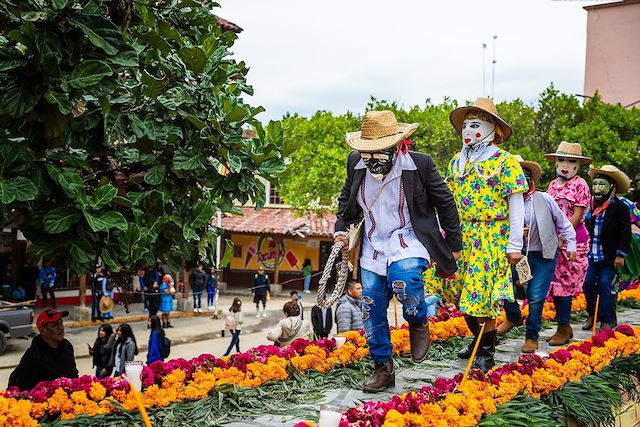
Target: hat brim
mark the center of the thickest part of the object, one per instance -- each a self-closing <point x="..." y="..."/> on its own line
<point x="534" y="167"/>
<point x="355" y="140"/>
<point x="60" y="315"/>
<point x="582" y="159"/>
<point x="620" y="178"/>
<point x="106" y="304"/>
<point x="457" y="117"/>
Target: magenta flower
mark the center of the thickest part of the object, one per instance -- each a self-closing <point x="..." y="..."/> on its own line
<point x="626" y="330"/>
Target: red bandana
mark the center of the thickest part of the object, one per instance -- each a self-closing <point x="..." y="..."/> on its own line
<point x="403" y="147"/>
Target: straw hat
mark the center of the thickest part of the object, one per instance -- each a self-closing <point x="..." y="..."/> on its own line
<point x="380" y="130"/>
<point x="106" y="304"/>
<point x="534" y="167"/>
<point x="620" y="178"/>
<point x="569" y="150"/>
<point x="483" y="105"/>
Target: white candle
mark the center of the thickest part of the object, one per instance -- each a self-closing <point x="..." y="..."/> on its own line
<point x="329" y="418"/>
<point x="133" y="371"/>
<point x="340" y="341"/>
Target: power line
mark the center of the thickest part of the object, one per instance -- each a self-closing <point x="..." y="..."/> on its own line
<point x="493" y="66"/>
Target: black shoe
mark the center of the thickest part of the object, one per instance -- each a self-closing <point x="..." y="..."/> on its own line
<point x="474" y="327"/>
<point x="487" y="349"/>
<point x="588" y="324"/>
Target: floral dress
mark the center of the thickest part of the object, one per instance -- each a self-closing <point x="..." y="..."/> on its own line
<point x="569" y="275"/>
<point x="483" y="279"/>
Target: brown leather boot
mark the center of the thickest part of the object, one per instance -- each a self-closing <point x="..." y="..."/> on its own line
<point x="420" y="341"/>
<point x="530" y="345"/>
<point x="506" y="326"/>
<point x="562" y="335"/>
<point x="384" y="376"/>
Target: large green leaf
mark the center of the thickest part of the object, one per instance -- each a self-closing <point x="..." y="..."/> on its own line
<point x="109" y="261"/>
<point x="194" y="58"/>
<point x="7" y="192"/>
<point x="228" y="251"/>
<point x="200" y="214"/>
<point x="106" y="221"/>
<point x="155" y="175"/>
<point x="61" y="100"/>
<point x="88" y="73"/>
<point x="187" y="161"/>
<point x="272" y="166"/>
<point x="60" y="219"/>
<point x="18" y="96"/>
<point x="25" y="189"/>
<point x="59" y="4"/>
<point x="100" y="33"/>
<point x="104" y="195"/>
<point x="189" y="233"/>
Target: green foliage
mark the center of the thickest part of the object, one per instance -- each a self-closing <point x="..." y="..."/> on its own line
<point x="113" y="117"/>
<point x="522" y="411"/>
<point x="609" y="134"/>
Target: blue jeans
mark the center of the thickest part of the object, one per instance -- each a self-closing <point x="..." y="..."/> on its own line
<point x="211" y="294"/>
<point x="235" y="340"/>
<point x="197" y="299"/>
<point x="95" y="303"/>
<point x="542" y="271"/>
<point x="599" y="282"/>
<point x="563" y="309"/>
<point x="307" y="283"/>
<point x="404" y="279"/>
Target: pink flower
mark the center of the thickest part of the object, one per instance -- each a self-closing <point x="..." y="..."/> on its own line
<point x="561" y="356"/>
<point x="626" y="330"/>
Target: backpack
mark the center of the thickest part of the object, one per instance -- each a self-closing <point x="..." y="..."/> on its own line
<point x="166" y="347"/>
<point x="230" y="321"/>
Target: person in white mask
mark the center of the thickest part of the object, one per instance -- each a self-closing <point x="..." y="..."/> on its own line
<point x="572" y="194"/>
<point x="488" y="185"/>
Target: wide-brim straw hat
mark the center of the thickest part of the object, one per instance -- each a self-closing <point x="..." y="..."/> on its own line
<point x="534" y="167"/>
<point x="106" y="304"/>
<point x="380" y="130"/>
<point x="482" y="105"/>
<point x="620" y="178"/>
<point x="569" y="150"/>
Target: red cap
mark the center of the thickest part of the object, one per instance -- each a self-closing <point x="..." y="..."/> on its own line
<point x="50" y="316"/>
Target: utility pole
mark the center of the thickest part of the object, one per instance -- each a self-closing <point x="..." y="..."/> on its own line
<point x="493" y="66"/>
<point x="484" y="69"/>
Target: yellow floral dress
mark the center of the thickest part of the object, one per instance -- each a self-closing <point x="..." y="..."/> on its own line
<point x="483" y="279"/>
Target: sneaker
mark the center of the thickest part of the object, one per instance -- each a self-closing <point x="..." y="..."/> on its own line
<point x="199" y="310"/>
<point x="195" y="310"/>
<point x="146" y="310"/>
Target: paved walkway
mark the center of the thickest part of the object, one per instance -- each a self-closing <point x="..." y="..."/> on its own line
<point x="412" y="378"/>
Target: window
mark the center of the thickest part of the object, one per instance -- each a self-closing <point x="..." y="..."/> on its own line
<point x="274" y="197"/>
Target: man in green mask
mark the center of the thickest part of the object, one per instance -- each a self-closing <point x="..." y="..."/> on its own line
<point x="608" y="222"/>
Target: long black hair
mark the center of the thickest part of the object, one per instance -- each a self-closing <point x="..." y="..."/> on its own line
<point x="306" y="262"/>
<point x="108" y="330"/>
<point x="156" y="325"/>
<point x="236" y="305"/>
<point x="127" y="332"/>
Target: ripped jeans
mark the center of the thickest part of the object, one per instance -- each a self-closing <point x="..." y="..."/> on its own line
<point x="404" y="279"/>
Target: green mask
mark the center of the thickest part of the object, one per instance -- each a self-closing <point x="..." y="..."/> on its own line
<point x="601" y="188"/>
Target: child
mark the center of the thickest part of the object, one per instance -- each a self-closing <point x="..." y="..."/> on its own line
<point x="233" y="323"/>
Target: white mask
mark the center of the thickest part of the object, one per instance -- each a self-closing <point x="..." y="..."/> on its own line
<point x="475" y="131"/>
<point x="566" y="168"/>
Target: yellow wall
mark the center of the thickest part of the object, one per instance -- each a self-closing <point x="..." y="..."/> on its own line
<point x="258" y="250"/>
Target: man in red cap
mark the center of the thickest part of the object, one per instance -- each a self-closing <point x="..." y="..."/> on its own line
<point x="50" y="355"/>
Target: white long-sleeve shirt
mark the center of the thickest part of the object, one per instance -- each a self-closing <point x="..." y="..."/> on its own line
<point x="388" y="232"/>
<point x="563" y="225"/>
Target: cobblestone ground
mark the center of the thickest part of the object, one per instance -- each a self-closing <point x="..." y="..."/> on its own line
<point x="413" y="378"/>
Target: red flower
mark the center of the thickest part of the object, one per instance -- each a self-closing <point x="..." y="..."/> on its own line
<point x="626" y="330"/>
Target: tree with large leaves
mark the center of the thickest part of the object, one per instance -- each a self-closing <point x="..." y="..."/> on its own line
<point x="115" y="119"/>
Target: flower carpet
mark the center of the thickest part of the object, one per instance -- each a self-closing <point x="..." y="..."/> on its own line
<point x="179" y="382"/>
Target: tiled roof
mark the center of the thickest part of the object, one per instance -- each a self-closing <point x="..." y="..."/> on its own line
<point x="228" y="26"/>
<point x="285" y="222"/>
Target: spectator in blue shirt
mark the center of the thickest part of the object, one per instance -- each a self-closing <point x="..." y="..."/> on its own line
<point x="155" y="339"/>
<point x="47" y="280"/>
<point x="19" y="294"/>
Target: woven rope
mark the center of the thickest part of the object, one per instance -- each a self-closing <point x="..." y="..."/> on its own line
<point x="341" y="280"/>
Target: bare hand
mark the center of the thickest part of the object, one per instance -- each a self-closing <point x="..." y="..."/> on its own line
<point x="342" y="238"/>
<point x="618" y="262"/>
<point x="456" y="255"/>
<point x="560" y="241"/>
<point x="103" y="372"/>
<point x="514" y="257"/>
<point x="525" y="232"/>
<point x="571" y="256"/>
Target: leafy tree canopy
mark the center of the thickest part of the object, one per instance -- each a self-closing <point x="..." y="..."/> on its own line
<point x="115" y="120"/>
<point x="608" y="133"/>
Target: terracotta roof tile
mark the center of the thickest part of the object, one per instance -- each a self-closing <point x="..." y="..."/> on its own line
<point x="279" y="221"/>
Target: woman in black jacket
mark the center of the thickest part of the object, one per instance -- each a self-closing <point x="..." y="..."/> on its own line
<point x="101" y="351"/>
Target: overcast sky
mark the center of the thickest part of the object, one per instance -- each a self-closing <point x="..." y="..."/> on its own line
<point x="333" y="55"/>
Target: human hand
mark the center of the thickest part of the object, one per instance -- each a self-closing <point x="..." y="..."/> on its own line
<point x="560" y="241"/>
<point x="571" y="256"/>
<point x="342" y="238"/>
<point x="618" y="262"/>
<point x="456" y="255"/>
<point x="514" y="257"/>
<point x="525" y="232"/>
<point x="103" y="372"/>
